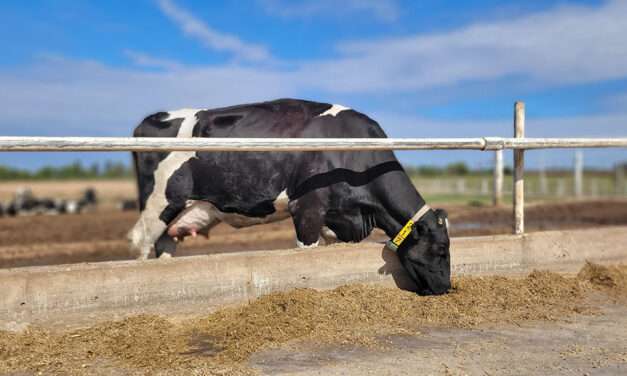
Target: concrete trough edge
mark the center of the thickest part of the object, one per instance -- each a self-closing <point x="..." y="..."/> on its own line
<point x="205" y="283"/>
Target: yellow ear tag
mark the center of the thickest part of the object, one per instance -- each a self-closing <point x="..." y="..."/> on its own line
<point x="405" y="231"/>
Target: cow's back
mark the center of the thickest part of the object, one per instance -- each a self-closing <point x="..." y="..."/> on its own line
<point x="281" y="118"/>
<point x="286" y="118"/>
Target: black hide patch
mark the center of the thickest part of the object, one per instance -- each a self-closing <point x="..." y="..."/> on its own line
<point x="342" y="175"/>
<point x="179" y="189"/>
<point x="351" y="226"/>
<point x="226" y="121"/>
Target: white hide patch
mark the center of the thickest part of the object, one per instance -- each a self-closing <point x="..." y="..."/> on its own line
<point x="281" y="201"/>
<point x="328" y="235"/>
<point x="334" y="110"/>
<point x="149" y="227"/>
<point x="300" y="244"/>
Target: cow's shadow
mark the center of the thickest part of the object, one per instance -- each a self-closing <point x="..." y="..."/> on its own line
<point x="394" y="268"/>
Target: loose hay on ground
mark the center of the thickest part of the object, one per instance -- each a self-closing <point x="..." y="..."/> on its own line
<point x="611" y="279"/>
<point x="353" y="314"/>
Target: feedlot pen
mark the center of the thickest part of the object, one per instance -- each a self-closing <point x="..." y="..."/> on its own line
<point x="168" y="317"/>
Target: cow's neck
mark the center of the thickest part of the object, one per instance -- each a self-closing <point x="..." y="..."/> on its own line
<point x="399" y="201"/>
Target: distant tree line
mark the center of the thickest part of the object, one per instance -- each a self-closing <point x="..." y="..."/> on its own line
<point x="120" y="170"/>
<point x="75" y="170"/>
<point x="456" y="169"/>
<point x="462" y="169"/>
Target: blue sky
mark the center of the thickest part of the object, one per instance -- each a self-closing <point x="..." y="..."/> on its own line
<point x="429" y="68"/>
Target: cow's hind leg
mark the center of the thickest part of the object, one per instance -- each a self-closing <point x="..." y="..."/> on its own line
<point x="308" y="216"/>
<point x="145" y="234"/>
<point x="161" y="209"/>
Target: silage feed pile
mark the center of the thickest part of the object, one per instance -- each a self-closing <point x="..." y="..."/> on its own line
<point x="612" y="279"/>
<point x="354" y="314"/>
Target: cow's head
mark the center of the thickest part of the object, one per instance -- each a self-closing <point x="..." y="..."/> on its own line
<point x="425" y="253"/>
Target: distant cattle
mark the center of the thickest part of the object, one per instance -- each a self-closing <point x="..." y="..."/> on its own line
<point x="26" y="203"/>
<point x="331" y="194"/>
<point x="127" y="205"/>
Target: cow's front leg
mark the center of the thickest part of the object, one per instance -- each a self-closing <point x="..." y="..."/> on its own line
<point x="308" y="216"/>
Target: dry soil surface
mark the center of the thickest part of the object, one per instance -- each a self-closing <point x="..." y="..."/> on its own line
<point x="580" y="345"/>
<point x="101" y="236"/>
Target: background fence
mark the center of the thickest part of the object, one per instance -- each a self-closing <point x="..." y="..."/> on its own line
<point x="540" y="186"/>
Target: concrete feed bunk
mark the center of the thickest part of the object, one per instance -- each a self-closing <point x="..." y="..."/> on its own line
<point x="543" y="323"/>
<point x="39" y="294"/>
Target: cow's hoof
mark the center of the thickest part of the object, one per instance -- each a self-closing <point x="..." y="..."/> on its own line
<point x="143" y="254"/>
<point x="134" y="252"/>
<point x="165" y="256"/>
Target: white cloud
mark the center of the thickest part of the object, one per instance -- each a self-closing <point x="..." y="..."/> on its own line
<point x="78" y="93"/>
<point x="384" y="10"/>
<point x="144" y="60"/>
<point x="564" y="45"/>
<point x="211" y="38"/>
<point x="68" y="97"/>
<point x="81" y="98"/>
<point x="561" y="46"/>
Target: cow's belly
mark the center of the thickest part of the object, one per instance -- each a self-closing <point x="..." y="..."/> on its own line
<point x="200" y="216"/>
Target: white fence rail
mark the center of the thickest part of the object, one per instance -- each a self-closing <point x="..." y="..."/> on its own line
<point x="518" y="143"/>
<point x="295" y="144"/>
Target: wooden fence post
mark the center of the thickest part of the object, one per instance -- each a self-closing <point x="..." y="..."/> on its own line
<point x="519" y="170"/>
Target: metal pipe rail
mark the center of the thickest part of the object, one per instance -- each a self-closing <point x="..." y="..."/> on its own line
<point x="296" y="144"/>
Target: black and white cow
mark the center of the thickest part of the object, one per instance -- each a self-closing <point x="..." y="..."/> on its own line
<point x="333" y="194"/>
<point x="25" y="203"/>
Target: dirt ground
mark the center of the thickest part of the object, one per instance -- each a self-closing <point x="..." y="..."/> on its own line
<point x="101" y="235"/>
<point x="580" y="345"/>
<point x="543" y="323"/>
